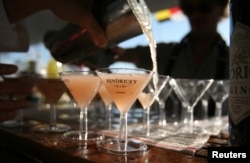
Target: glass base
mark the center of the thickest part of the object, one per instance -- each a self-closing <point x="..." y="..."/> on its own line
<point x="79" y="137"/>
<point x="113" y="146"/>
<point x="192" y="129"/>
<point x="154" y="133"/>
<point x="14" y="123"/>
<point x="45" y="128"/>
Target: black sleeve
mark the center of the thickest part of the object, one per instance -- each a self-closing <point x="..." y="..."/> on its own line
<point x="164" y="51"/>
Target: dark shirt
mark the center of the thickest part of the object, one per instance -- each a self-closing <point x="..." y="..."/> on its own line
<point x="174" y="59"/>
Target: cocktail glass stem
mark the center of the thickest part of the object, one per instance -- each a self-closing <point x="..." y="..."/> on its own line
<point x="123" y="133"/>
<point x="52" y="116"/>
<point x="204" y="103"/>
<point x="146" y="121"/>
<point x="218" y="112"/>
<point x="184" y="116"/>
<point x="162" y="115"/>
<point x="189" y="119"/>
<point x="108" y="116"/>
<point x="84" y="121"/>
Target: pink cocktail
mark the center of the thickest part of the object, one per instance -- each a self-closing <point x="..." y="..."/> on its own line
<point x="124" y="86"/>
<point x="83" y="86"/>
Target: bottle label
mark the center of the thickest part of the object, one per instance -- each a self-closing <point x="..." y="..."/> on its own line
<point x="239" y="92"/>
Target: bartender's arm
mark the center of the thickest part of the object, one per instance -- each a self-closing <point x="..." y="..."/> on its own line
<point x="73" y="11"/>
<point x="13" y="36"/>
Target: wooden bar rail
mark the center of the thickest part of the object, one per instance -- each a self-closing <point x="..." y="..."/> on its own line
<point x="22" y="145"/>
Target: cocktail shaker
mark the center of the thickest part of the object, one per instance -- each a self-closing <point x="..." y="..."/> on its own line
<point x="72" y="44"/>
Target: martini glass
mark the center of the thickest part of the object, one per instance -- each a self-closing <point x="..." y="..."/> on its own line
<point x="219" y="92"/>
<point x="124" y="86"/>
<point x="52" y="88"/>
<point x="83" y="86"/>
<point x="107" y="99"/>
<point x="161" y="99"/>
<point x="18" y="88"/>
<point x="147" y="98"/>
<point x="190" y="91"/>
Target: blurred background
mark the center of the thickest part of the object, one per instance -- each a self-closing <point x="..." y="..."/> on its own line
<point x="168" y="23"/>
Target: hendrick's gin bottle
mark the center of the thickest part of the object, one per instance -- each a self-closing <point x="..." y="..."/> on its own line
<point x="239" y="96"/>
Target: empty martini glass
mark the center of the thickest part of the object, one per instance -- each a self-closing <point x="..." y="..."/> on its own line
<point x="189" y="91"/>
<point x="147" y="97"/>
<point x="219" y="91"/>
<point x="83" y="86"/>
<point x="124" y="86"/>
<point x="161" y="99"/>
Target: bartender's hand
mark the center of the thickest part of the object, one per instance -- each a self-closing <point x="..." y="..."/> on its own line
<point x="8" y="106"/>
<point x="79" y="12"/>
<point x="125" y="55"/>
<point x="73" y="11"/>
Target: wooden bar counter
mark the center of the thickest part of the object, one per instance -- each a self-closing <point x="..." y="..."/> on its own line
<point x="23" y="145"/>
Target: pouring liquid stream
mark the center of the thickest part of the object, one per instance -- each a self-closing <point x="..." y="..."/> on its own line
<point x="142" y="13"/>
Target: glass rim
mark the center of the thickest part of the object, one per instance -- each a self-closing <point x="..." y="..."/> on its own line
<point x="131" y="69"/>
<point x="194" y="79"/>
<point x="76" y="72"/>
